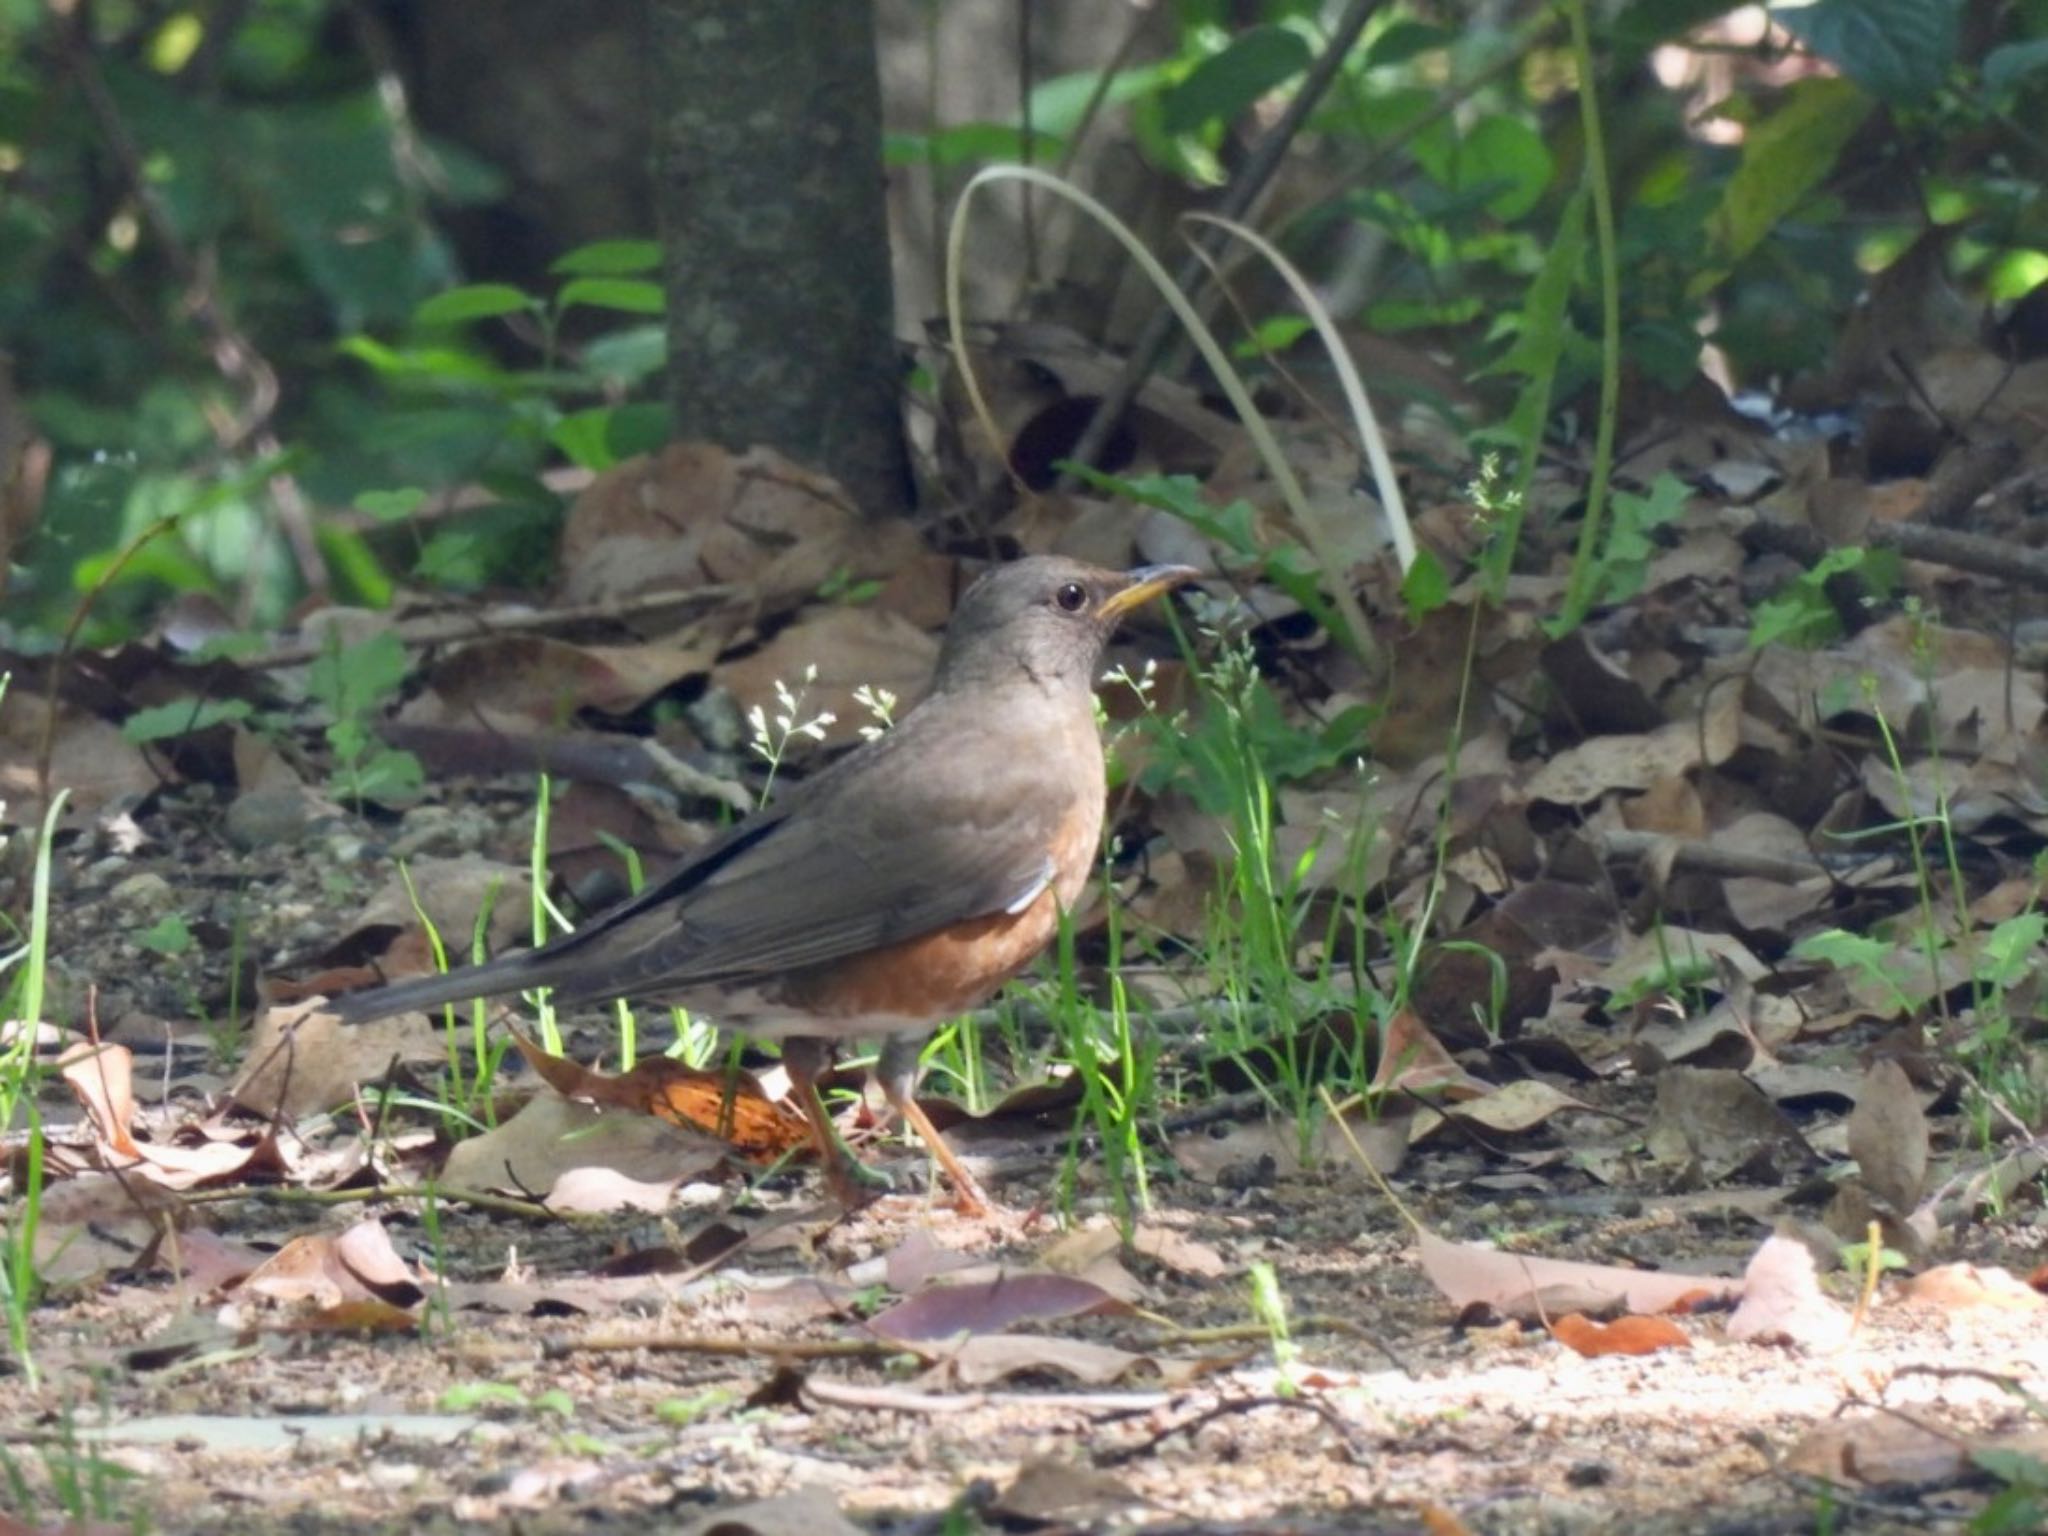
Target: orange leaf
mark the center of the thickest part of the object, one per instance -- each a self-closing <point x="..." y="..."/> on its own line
<point x="1633" y="1335"/>
<point x="733" y="1109"/>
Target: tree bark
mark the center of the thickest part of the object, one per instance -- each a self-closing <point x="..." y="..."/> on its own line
<point x="781" y="324"/>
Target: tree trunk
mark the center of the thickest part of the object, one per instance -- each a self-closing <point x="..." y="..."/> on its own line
<point x="781" y="325"/>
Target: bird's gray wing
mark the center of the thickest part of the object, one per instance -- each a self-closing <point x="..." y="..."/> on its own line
<point x="936" y="824"/>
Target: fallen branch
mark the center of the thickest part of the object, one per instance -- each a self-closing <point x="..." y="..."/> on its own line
<point x="1972" y="552"/>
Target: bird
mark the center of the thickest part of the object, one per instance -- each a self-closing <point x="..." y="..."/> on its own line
<point x="896" y="888"/>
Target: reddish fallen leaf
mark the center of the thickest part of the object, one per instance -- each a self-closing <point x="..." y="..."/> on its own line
<point x="1521" y="1285"/>
<point x="329" y="1269"/>
<point x="364" y="1314"/>
<point x="1412" y="1060"/>
<point x="1623" y="1336"/>
<point x="730" y="1107"/>
<point x="1438" y="1521"/>
<point x="103" y="1078"/>
<point x="991" y="1307"/>
<point x="1957" y="1286"/>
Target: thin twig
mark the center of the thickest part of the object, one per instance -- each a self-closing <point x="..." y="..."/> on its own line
<point x="1304" y="1402"/>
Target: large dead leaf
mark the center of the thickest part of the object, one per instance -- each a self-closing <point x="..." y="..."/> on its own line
<point x="88" y="756"/>
<point x="1529" y="1286"/>
<point x="991" y="1306"/>
<point x="730" y="1106"/>
<point x="551" y="1135"/>
<point x="302" y="1059"/>
<point x="1888" y="1136"/>
<point x="1592" y="768"/>
<point x="1717" y="1124"/>
<point x="838" y="649"/>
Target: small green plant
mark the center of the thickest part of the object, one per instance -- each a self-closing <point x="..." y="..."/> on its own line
<point x="349" y="681"/>
<point x="504" y="1398"/>
<point x="82" y="1485"/>
<point x="1116" y="1064"/>
<point x="1232" y="759"/>
<point x="1805" y="613"/>
<point x="1269" y="1308"/>
<point x="20" y="1285"/>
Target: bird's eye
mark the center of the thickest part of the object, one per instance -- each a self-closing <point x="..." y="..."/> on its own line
<point x="1071" y="598"/>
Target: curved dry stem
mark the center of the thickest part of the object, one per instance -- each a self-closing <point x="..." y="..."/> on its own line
<point x="1323" y="547"/>
<point x="1347" y="378"/>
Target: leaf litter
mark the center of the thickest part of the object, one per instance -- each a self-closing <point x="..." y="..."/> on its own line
<point x="1677" y="996"/>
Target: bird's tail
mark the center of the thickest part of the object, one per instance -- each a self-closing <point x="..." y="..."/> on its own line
<point x="495" y="978"/>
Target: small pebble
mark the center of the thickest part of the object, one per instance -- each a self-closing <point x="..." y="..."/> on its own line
<point x="267" y="818"/>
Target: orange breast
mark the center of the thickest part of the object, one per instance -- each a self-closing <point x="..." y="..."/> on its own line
<point x="933" y="976"/>
<point x="944" y="973"/>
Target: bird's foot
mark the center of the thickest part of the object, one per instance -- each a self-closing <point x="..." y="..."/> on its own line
<point x="855" y="1184"/>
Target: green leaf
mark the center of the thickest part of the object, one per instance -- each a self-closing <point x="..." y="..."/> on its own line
<point x="389" y="777"/>
<point x="1223" y="85"/>
<point x="1507" y="153"/>
<point x="349" y="680"/>
<point x="2006" y="66"/>
<point x="2012" y="947"/>
<point x="1898" y="49"/>
<point x="1406" y="40"/>
<point x="628" y="354"/>
<point x="585" y="438"/>
<point x="1783" y="159"/>
<point x="632" y="295"/>
<point x="608" y="258"/>
<point x="1276" y="333"/>
<point x="391" y="506"/>
<point x="182" y="717"/>
<point x="167" y="936"/>
<point x="968" y="144"/>
<point x="1057" y="105"/>
<point x="477" y="301"/>
<point x="1427" y="586"/>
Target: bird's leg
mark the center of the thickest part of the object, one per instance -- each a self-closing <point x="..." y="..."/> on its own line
<point x="897" y="1071"/>
<point x="852" y="1182"/>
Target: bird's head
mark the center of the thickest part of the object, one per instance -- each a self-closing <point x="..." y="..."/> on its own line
<point x="1044" y="618"/>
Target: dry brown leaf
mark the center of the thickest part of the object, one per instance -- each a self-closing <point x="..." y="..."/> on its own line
<point x="1256" y="1153"/>
<point x="1592" y="768"/>
<point x="1528" y="1286"/>
<point x="1874" y="1449"/>
<point x="1412" y="1060"/>
<point x="1513" y="1107"/>
<point x="1959" y="1286"/>
<point x="552" y="1135"/>
<point x="807" y="1512"/>
<point x="514" y="682"/>
<point x="991" y="1307"/>
<point x="88" y="756"/>
<point x="103" y="1078"/>
<point x="1046" y="1492"/>
<point x="301" y="1059"/>
<point x="1717" y="1125"/>
<point x="1888" y="1136"/>
<point x="992" y="1357"/>
<point x="849" y="648"/>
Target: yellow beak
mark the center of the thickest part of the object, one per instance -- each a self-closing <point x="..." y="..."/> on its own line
<point x="1146" y="583"/>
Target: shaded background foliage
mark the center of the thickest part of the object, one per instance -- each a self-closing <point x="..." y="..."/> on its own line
<point x="226" y="228"/>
